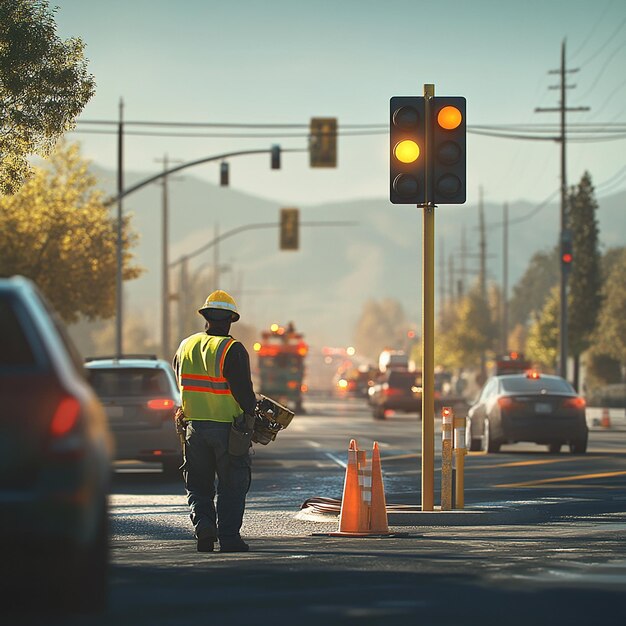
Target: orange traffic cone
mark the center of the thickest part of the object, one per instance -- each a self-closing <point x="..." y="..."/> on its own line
<point x="605" y="420"/>
<point x="351" y="502"/>
<point x="378" y="510"/>
<point x="363" y="507"/>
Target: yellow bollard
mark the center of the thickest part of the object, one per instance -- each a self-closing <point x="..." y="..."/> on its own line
<point x="459" y="457"/>
<point x="447" y="417"/>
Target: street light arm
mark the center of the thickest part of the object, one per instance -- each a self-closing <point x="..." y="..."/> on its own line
<point x="241" y="229"/>
<point x="177" y="168"/>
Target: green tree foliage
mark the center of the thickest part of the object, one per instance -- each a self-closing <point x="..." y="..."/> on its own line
<point x="467" y="334"/>
<point x="532" y="289"/>
<point x="57" y="232"/>
<point x="382" y="325"/>
<point x="585" y="281"/>
<point x="610" y="336"/>
<point x="44" y="85"/>
<point x="542" y="344"/>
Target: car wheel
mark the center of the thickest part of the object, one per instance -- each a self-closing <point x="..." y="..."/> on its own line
<point x="473" y="444"/>
<point x="578" y="447"/>
<point x="554" y="448"/>
<point x="488" y="442"/>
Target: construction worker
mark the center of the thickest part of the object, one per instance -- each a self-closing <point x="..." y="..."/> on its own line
<point x="213" y="374"/>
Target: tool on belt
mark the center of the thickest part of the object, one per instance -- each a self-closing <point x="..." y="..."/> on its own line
<point x="181" y="427"/>
<point x="270" y="418"/>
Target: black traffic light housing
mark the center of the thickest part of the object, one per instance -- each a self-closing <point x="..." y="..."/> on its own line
<point x="567" y="250"/>
<point x="289" y="229"/>
<point x="407" y="178"/>
<point x="224" y="175"/>
<point x="323" y="142"/>
<point x="275" y="161"/>
<point x="448" y="149"/>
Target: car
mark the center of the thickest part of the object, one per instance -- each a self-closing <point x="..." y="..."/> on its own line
<point x="140" y="396"/>
<point x="530" y="407"/>
<point x="55" y="463"/>
<point x="396" y="390"/>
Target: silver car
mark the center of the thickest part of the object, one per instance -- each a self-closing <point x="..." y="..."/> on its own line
<point x="140" y="397"/>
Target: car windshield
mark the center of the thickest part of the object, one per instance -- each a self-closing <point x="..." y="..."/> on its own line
<point x="402" y="379"/>
<point x="535" y="385"/>
<point x="129" y="382"/>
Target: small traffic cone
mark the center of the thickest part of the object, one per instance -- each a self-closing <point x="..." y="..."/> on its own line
<point x="351" y="502"/>
<point x="378" y="509"/>
<point x="605" y="420"/>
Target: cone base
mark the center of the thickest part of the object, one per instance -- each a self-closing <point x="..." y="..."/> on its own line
<point x="339" y="533"/>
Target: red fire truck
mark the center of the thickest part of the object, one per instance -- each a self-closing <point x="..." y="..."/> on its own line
<point x="281" y="354"/>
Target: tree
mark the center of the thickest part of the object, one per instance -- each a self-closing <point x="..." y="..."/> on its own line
<point x="533" y="288"/>
<point x="382" y="325"/>
<point x="44" y="85"/>
<point x="542" y="344"/>
<point x="585" y="281"/>
<point x="57" y="232"/>
<point x="610" y="336"/>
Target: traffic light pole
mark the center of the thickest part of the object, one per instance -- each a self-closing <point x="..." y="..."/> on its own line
<point x="428" y="320"/>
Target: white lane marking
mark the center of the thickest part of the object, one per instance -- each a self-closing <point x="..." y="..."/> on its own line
<point x="337" y="460"/>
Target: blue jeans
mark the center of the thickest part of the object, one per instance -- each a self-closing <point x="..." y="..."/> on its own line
<point x="207" y="458"/>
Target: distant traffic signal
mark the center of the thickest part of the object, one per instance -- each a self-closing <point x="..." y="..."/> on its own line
<point x="407" y="165"/>
<point x="289" y="229"/>
<point x="224" y="174"/>
<point x="448" y="150"/>
<point x="275" y="163"/>
<point x="567" y="250"/>
<point x="323" y="142"/>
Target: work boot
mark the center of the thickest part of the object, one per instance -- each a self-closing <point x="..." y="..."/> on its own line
<point x="233" y="544"/>
<point x="206" y="544"/>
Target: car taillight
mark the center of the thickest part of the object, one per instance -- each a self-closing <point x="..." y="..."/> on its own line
<point x="574" y="403"/>
<point x="158" y="404"/>
<point x="392" y="391"/>
<point x="65" y="416"/>
<point x="507" y="403"/>
<point x="292" y="384"/>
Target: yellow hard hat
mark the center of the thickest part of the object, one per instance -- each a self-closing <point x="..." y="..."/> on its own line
<point x="219" y="301"/>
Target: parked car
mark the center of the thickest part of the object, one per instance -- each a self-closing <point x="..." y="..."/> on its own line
<point x="396" y="390"/>
<point x="55" y="462"/>
<point x="527" y="407"/>
<point x="140" y="397"/>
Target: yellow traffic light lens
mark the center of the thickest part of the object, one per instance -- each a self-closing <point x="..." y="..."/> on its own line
<point x="407" y="151"/>
<point x="449" y="118"/>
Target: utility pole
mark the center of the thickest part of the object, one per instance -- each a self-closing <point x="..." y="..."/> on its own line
<point x="463" y="281"/>
<point x="442" y="276"/>
<point x="505" y="280"/>
<point x="562" y="109"/>
<point x="451" y="289"/>
<point x="165" y="281"/>
<point x="120" y="188"/>
<point x="483" y="246"/>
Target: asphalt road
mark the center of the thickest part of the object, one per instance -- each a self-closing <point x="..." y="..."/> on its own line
<point x="541" y="539"/>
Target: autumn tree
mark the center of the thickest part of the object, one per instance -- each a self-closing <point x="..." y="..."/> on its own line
<point x="44" y="85"/>
<point x="57" y="232"/>
<point x="585" y="281"/>
<point x="382" y="325"/>
<point x="542" y="344"/>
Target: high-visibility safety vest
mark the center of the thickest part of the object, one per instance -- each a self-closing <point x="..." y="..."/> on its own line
<point x="205" y="392"/>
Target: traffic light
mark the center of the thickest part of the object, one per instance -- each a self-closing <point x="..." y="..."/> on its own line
<point x="289" y="229"/>
<point x="323" y="142"/>
<point x="567" y="250"/>
<point x="407" y="167"/>
<point x="448" y="150"/>
<point x="224" y="174"/>
<point x="275" y="164"/>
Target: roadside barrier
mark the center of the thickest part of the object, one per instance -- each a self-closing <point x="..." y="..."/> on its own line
<point x="447" y="418"/>
<point x="605" y="420"/>
<point x="459" y="456"/>
<point x="363" y="505"/>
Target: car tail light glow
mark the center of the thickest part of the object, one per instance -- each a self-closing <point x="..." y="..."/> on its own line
<point x="574" y="403"/>
<point x="507" y="402"/>
<point x="392" y="391"/>
<point x="158" y="404"/>
<point x="65" y="416"/>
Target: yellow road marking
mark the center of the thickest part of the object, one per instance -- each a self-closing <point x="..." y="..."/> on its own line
<point x="536" y="462"/>
<point x="562" y="479"/>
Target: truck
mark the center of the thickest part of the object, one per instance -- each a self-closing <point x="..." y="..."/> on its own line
<point x="281" y="355"/>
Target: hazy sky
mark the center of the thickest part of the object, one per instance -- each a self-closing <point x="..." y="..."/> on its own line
<point x="285" y="61"/>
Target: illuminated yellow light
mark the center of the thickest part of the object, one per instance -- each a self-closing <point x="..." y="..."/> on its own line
<point x="342" y="384"/>
<point x="407" y="151"/>
<point x="350" y="351"/>
<point x="257" y="346"/>
<point x="449" y="118"/>
<point x="274" y="327"/>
